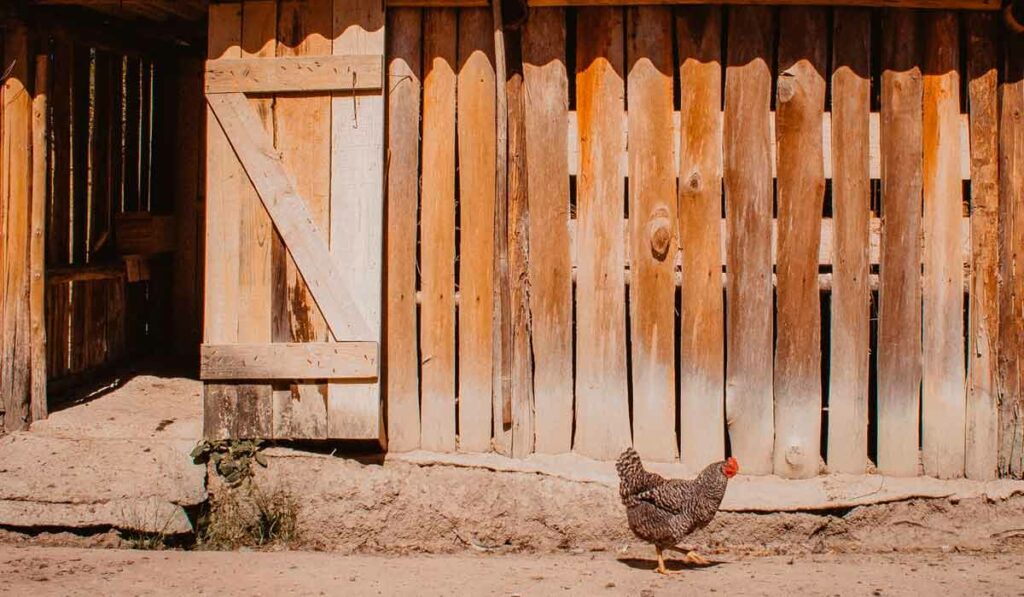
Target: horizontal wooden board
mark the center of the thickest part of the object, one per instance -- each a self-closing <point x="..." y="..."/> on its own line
<point x="289" y="360"/>
<point x="295" y="73"/>
<point x="874" y="142"/>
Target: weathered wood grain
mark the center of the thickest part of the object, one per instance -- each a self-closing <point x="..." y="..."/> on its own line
<point x="289" y="360"/>
<point x="256" y="401"/>
<point x="476" y="134"/>
<point x="899" y="313"/>
<point x="437" y="221"/>
<point x="523" y="415"/>
<point x="983" y="331"/>
<point x="748" y="194"/>
<point x="702" y="331"/>
<point x="801" y="188"/>
<point x="652" y="234"/>
<point x="401" y="371"/>
<point x="356" y="72"/>
<point x="225" y="178"/>
<point x="1011" y="233"/>
<point x="303" y="138"/>
<point x="602" y="399"/>
<point x="501" y="340"/>
<point x="851" y="213"/>
<point x="357" y="209"/>
<point x="547" y="97"/>
<point x="944" y="407"/>
<point x="37" y="230"/>
<point x="15" y="219"/>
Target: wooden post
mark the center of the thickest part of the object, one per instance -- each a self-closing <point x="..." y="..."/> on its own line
<point x="519" y="252"/>
<point x="16" y="218"/>
<point x="983" y="337"/>
<point x="223" y="192"/>
<point x="801" y="188"/>
<point x="401" y="370"/>
<point x="602" y="398"/>
<point x="652" y="237"/>
<point x="702" y="330"/>
<point x="256" y="236"/>
<point x="501" y="355"/>
<point x="547" y="111"/>
<point x="476" y="262"/>
<point x="748" y="194"/>
<point x="849" y="359"/>
<point x="437" y="334"/>
<point x="1011" y="237"/>
<point x="37" y="247"/>
<point x="899" y="315"/>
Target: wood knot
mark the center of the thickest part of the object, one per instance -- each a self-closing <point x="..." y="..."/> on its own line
<point x="694" y="182"/>
<point x="659" y="228"/>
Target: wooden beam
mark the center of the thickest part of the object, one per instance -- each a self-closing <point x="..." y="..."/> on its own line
<point x="289" y="360"/>
<point x="88" y="273"/>
<point x="295" y="74"/>
<point x="37" y="241"/>
<point x="290" y="214"/>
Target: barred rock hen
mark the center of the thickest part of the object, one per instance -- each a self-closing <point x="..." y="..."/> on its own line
<point x="663" y="511"/>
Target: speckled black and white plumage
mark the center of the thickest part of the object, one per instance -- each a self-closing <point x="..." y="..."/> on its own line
<point x="664" y="511"/>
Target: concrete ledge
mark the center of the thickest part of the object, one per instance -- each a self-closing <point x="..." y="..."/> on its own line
<point x="745" y="493"/>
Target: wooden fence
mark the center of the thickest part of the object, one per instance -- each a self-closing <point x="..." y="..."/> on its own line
<point x="789" y="234"/>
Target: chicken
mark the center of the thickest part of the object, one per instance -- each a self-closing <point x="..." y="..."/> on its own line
<point x="664" y="511"/>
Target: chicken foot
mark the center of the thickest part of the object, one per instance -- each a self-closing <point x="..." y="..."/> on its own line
<point x="661" y="569"/>
<point x="692" y="557"/>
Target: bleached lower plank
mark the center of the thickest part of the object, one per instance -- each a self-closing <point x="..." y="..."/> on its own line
<point x="295" y="74"/>
<point x="290" y="214"/>
<point x="289" y="360"/>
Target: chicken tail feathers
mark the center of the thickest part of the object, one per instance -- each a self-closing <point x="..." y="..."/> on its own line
<point x="629" y="464"/>
<point x="633" y="478"/>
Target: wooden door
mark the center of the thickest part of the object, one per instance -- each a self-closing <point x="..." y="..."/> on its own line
<point x="294" y="220"/>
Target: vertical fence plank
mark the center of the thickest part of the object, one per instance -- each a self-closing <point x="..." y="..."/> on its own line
<point x="602" y="399"/>
<point x="1011" y="232"/>
<point x="801" y="187"/>
<point x="702" y="333"/>
<point x="405" y="49"/>
<point x="437" y="330"/>
<point x="851" y="213"/>
<point x="547" y="108"/>
<point x="81" y="88"/>
<point x="944" y="407"/>
<point x="255" y="401"/>
<point x="303" y="137"/>
<point x="225" y="177"/>
<point x="37" y="242"/>
<point x="652" y="216"/>
<point x="899" y="316"/>
<point x="983" y="345"/>
<point x="357" y="210"/>
<point x="476" y="253"/>
<point x="15" y="217"/>
<point x="748" y="195"/>
<point x="101" y="212"/>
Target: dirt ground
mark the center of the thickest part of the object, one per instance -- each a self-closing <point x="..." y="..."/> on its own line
<point x="69" y="571"/>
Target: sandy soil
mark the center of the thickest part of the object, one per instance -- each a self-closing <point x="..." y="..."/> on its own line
<point x="69" y="571"/>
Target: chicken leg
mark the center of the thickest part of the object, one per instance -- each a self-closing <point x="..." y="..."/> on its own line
<point x="661" y="569"/>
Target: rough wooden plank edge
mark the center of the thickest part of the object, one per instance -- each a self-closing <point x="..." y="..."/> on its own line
<point x="295" y="74"/>
<point x="289" y="360"/>
<point x="37" y="240"/>
<point x="766" y="493"/>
